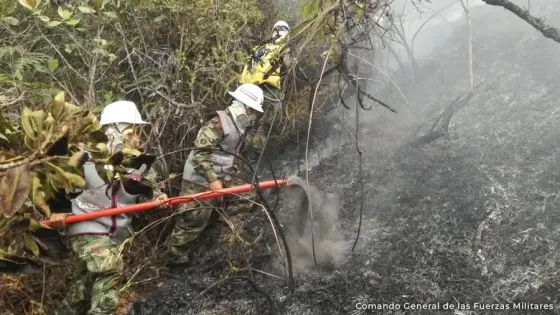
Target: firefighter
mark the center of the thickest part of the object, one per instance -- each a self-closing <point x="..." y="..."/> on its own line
<point x="96" y="242"/>
<point x="264" y="68"/>
<point x="215" y="169"/>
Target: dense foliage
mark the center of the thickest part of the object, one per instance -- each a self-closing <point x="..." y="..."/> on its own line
<point x="176" y="59"/>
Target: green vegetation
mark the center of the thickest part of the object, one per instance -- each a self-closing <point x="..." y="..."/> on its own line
<point x="62" y="61"/>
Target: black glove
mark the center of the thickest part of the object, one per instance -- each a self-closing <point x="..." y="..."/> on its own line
<point x="134" y="185"/>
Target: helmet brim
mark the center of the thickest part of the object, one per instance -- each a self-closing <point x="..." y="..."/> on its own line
<point x="141" y="122"/>
<point x="243" y="100"/>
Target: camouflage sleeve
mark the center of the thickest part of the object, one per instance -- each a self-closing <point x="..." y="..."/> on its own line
<point x="208" y="137"/>
<point x="255" y="138"/>
<point x="153" y="179"/>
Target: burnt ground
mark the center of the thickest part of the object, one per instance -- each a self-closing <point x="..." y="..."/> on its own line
<point x="470" y="217"/>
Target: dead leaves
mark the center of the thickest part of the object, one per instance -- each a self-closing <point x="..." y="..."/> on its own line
<point x="14" y="189"/>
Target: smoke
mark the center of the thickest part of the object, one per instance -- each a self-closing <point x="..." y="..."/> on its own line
<point x="325" y="243"/>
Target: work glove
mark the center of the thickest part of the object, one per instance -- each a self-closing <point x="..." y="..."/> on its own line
<point x="133" y="184"/>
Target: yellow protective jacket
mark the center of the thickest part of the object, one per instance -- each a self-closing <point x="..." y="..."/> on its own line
<point x="264" y="65"/>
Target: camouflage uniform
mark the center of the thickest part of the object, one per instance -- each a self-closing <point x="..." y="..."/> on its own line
<point x="273" y="102"/>
<point x="100" y="268"/>
<point x="191" y="223"/>
<point x="152" y="179"/>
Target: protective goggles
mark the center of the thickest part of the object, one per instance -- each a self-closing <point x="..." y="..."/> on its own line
<point x="281" y="28"/>
<point x="132" y="130"/>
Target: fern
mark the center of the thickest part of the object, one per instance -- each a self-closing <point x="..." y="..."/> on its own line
<point x="19" y="60"/>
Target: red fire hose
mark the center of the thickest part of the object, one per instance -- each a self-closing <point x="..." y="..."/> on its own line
<point x="172" y="201"/>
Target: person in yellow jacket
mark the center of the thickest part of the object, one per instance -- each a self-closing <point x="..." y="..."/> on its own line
<point x="264" y="69"/>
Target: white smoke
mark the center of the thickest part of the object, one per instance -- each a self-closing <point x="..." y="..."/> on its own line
<point x="326" y="244"/>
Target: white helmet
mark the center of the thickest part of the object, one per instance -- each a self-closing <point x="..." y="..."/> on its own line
<point x="121" y="112"/>
<point x="250" y="95"/>
<point x="280" y="28"/>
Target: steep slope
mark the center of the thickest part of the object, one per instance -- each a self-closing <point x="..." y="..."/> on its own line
<point x="467" y="218"/>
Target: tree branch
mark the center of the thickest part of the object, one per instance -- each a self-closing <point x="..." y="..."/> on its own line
<point x="437" y="13"/>
<point x="547" y="30"/>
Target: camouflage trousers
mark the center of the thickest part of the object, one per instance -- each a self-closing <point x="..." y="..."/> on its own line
<point x="273" y="102"/>
<point x="101" y="269"/>
<point x="191" y="223"/>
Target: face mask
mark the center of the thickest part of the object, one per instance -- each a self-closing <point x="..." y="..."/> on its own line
<point x="120" y="137"/>
<point x="279" y="31"/>
<point x="243" y="120"/>
<point x="115" y="139"/>
<point x="240" y="117"/>
<point x="131" y="139"/>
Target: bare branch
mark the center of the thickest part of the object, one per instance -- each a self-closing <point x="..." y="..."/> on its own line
<point x="130" y="63"/>
<point x="172" y="101"/>
<point x="307" y="151"/>
<point x="62" y="57"/>
<point x="428" y="20"/>
<point x="547" y="30"/>
<point x="465" y="6"/>
<point x="384" y="74"/>
<point x="409" y="51"/>
<point x="373" y="98"/>
<point x="20" y="97"/>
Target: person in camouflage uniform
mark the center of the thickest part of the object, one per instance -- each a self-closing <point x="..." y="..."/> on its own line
<point x="213" y="169"/>
<point x="100" y="271"/>
<point x="96" y="243"/>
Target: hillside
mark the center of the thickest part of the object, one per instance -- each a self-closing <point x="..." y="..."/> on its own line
<point x="467" y="218"/>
